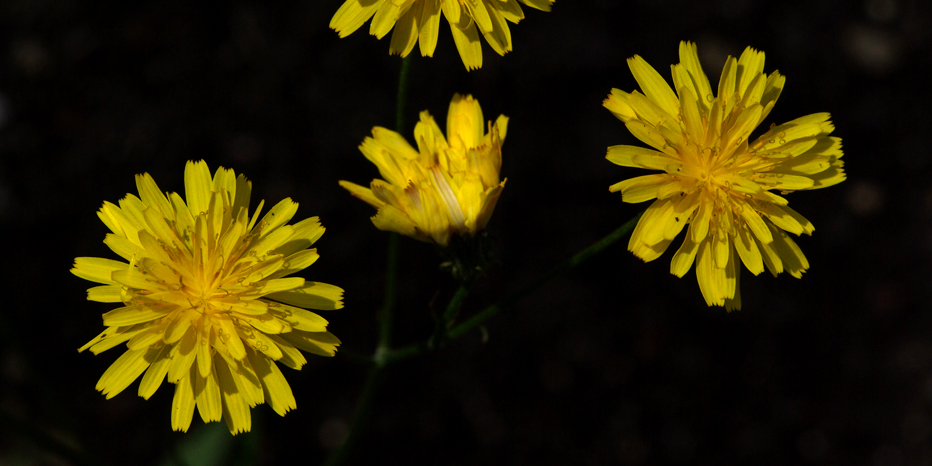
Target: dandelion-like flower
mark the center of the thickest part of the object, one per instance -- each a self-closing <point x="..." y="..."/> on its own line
<point x="445" y="186"/>
<point x="207" y="301"/>
<point x="419" y="21"/>
<point x="712" y="178"/>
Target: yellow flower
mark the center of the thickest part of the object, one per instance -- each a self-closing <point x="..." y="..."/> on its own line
<point x="712" y="178"/>
<point x="206" y="301"/>
<point x="448" y="185"/>
<point x="419" y="20"/>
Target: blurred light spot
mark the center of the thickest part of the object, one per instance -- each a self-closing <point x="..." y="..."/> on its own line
<point x="872" y="49"/>
<point x="864" y="197"/>
<point x="333" y="432"/>
<point x="30" y="56"/>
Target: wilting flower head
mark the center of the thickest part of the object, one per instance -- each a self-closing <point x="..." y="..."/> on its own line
<point x="419" y="21"/>
<point x="207" y="301"/>
<point x="712" y="178"/>
<point x="446" y="185"/>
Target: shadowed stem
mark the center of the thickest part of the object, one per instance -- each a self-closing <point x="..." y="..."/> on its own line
<point x="366" y="401"/>
<point x="407" y="352"/>
<point x="442" y="331"/>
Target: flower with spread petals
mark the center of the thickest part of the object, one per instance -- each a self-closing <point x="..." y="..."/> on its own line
<point x="419" y="21"/>
<point x="207" y="298"/>
<point x="712" y="177"/>
<point x="448" y="185"/>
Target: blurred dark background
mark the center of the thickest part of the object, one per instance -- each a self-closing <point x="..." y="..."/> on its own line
<point x="617" y="362"/>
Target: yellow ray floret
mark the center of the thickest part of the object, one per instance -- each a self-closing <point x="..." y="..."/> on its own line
<point x="448" y="185"/>
<point x="418" y="21"/>
<point x="208" y="303"/>
<point x="712" y="177"/>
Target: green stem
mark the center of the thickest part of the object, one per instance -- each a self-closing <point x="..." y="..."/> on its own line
<point x="364" y="406"/>
<point x="579" y="258"/>
<point x="391" y="293"/>
<point x="366" y="401"/>
<point x="402" y="100"/>
<point x="443" y="324"/>
<point x="489" y="312"/>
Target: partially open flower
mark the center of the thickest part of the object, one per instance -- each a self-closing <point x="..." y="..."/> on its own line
<point x="445" y="186"/>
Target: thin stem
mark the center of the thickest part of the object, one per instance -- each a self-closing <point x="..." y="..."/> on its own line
<point x="443" y="324"/>
<point x="385" y="315"/>
<point x="364" y="406"/>
<point x="402" y="100"/>
<point x="489" y="312"/>
<point x="391" y="293"/>
<point x="366" y="401"/>
<point x="579" y="258"/>
<point x="456" y="303"/>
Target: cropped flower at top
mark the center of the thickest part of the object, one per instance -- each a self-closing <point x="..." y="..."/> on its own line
<point x="207" y="301"/>
<point x="419" y="21"/>
<point x="712" y="178"/>
<point x="445" y="186"/>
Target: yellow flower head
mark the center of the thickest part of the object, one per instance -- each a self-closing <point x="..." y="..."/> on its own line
<point x="712" y="178"/>
<point x="206" y="298"/>
<point x="420" y="19"/>
<point x="446" y="185"/>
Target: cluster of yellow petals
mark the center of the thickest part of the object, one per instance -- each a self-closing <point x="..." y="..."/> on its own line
<point x="448" y="185"/>
<point x="207" y="301"/>
<point x="418" y="21"/>
<point x="712" y="178"/>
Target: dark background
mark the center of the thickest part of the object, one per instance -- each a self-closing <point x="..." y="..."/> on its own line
<point x="617" y="362"/>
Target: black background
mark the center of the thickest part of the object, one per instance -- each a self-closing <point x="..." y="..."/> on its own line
<point x="617" y="362"/>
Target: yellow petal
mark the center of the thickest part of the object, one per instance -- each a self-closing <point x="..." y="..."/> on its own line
<point x="405" y="34"/>
<point x="97" y="269"/>
<point x="156" y="372"/>
<point x="197" y="186"/>
<point x="428" y="27"/>
<point x="235" y="406"/>
<point x="653" y="85"/>
<point x="207" y="395"/>
<point x="684" y="257"/>
<point x="276" y="389"/>
<point x="748" y="251"/>
<point x="122" y="372"/>
<point x="689" y="58"/>
<point x="312" y="295"/>
<point x="384" y="19"/>
<point x="183" y="404"/>
<point x="105" y="294"/>
<point x="353" y="14"/>
<point x="468" y="45"/>
<point x="319" y="343"/>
